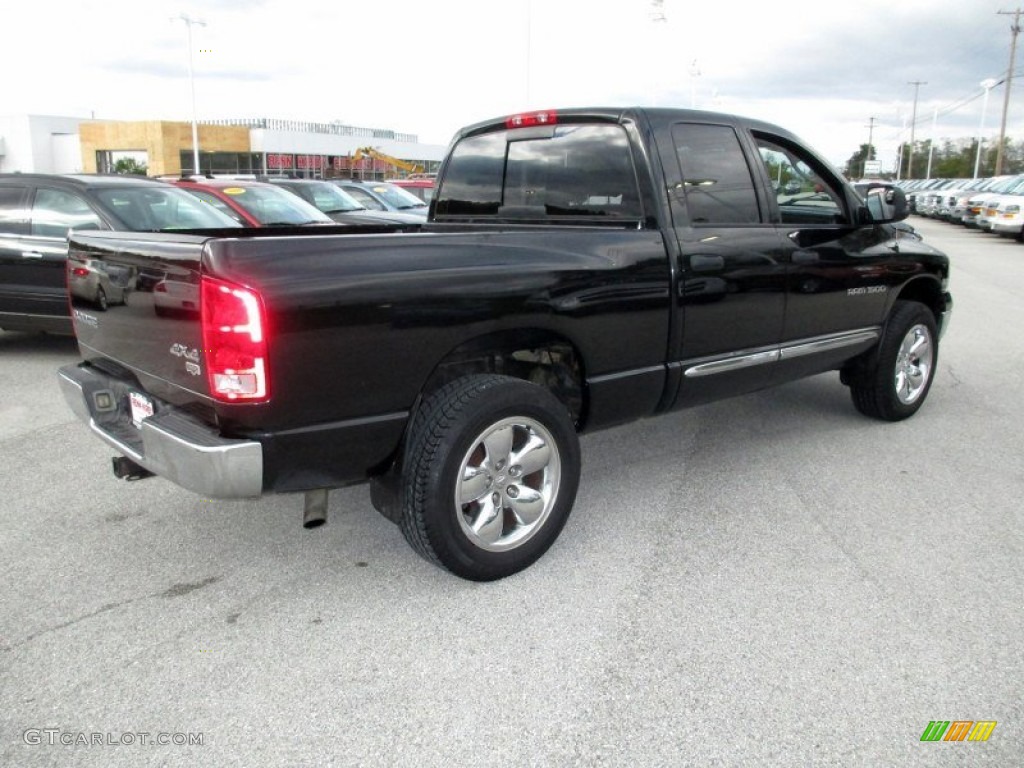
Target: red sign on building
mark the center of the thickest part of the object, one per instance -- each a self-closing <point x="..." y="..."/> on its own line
<point x="307" y="162"/>
<point x="280" y="162"/>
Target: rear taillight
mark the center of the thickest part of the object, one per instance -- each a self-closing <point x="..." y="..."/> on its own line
<point x="235" y="342"/>
<point x="80" y="272"/>
<point x="530" y="119"/>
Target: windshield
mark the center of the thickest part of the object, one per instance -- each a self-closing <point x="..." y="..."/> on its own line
<point x="397" y="197"/>
<point x="153" y="207"/>
<point x="330" y="199"/>
<point x="273" y="206"/>
<point x="1008" y="185"/>
<point x="366" y="199"/>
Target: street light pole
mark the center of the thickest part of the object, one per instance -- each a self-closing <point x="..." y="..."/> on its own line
<point x="987" y="85"/>
<point x="694" y="74"/>
<point x="931" y="143"/>
<point x="189" y="22"/>
<point x="913" y="124"/>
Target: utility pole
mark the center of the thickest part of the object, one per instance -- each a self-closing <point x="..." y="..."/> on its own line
<point x="913" y="124"/>
<point x="1015" y="29"/>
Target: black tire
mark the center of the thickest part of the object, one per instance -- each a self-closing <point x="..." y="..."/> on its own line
<point x="895" y="386"/>
<point x="510" y="448"/>
<point x="101" y="300"/>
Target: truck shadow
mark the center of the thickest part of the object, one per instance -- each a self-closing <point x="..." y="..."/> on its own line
<point x="27" y="344"/>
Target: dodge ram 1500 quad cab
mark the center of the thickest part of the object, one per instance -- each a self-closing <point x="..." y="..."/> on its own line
<point x="578" y="269"/>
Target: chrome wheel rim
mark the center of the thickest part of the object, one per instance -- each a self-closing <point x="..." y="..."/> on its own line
<point x="913" y="364"/>
<point x="508" y="483"/>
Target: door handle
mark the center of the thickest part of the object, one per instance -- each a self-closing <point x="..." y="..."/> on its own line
<point x="31" y="255"/>
<point x="707" y="263"/>
<point x="805" y="257"/>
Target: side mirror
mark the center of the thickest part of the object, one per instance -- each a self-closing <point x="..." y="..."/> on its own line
<point x="885" y="203"/>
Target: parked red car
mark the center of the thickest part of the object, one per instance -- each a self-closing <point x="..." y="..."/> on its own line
<point x="254" y="203"/>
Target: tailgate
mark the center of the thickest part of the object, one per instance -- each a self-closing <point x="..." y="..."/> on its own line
<point x="135" y="303"/>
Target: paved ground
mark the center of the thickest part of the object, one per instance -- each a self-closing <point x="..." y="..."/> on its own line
<point x="773" y="580"/>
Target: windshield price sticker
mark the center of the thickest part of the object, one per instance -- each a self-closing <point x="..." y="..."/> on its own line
<point x="142" y="408"/>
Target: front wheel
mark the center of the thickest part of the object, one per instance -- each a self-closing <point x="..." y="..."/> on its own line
<point x="490" y="475"/>
<point x="898" y="383"/>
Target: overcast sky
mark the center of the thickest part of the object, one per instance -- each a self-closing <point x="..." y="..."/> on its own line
<point x="820" y="69"/>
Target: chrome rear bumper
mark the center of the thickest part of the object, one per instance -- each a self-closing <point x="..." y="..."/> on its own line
<point x="170" y="443"/>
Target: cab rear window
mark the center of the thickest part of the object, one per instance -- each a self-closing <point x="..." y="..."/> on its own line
<point x="566" y="171"/>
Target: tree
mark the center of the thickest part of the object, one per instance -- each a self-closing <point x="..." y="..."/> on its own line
<point x="951" y="158"/>
<point x="855" y="165"/>
<point x="130" y="166"/>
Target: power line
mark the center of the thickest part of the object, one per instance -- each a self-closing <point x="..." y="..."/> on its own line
<point x="960" y="103"/>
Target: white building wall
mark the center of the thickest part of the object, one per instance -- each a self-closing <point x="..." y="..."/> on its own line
<point x="40" y="144"/>
<point x="67" y="153"/>
<point x="17" y="145"/>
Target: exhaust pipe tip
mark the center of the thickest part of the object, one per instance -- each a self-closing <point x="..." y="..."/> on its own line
<point x="314" y="513"/>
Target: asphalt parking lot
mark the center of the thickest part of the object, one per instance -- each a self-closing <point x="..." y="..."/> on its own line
<point x="772" y="580"/>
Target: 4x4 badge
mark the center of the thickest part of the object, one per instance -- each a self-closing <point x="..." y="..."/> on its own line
<point x="189" y="353"/>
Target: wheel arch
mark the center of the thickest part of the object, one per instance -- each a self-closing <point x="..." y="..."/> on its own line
<point x="925" y="290"/>
<point x="537" y="355"/>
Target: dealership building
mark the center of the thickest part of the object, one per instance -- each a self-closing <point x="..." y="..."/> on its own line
<point x="49" y="144"/>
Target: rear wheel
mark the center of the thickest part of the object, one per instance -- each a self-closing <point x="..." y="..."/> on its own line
<point x="898" y="383"/>
<point x="490" y="476"/>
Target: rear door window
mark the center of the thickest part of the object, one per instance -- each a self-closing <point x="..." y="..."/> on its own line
<point x="55" y="211"/>
<point x="717" y="185"/>
<point x="568" y="172"/>
<point x="13" y="210"/>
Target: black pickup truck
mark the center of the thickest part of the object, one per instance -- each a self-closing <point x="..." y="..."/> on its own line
<point x="579" y="269"/>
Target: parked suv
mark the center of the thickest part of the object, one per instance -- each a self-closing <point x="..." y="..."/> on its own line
<point x="36" y="213"/>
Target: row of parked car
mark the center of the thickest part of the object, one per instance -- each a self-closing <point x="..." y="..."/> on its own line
<point x="38" y="210"/>
<point x="289" y="202"/>
<point x="994" y="205"/>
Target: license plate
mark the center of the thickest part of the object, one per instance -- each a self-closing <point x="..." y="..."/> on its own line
<point x="142" y="407"/>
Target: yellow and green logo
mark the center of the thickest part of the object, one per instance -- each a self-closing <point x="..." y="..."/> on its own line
<point x="958" y="730"/>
